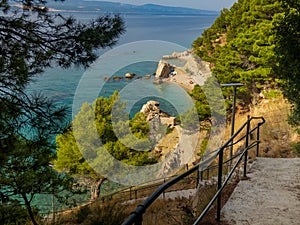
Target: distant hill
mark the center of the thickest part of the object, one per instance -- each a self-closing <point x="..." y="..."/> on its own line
<point x="115" y="7"/>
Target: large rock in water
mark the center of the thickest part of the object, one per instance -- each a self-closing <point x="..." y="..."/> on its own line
<point x="163" y="69"/>
<point x="129" y="75"/>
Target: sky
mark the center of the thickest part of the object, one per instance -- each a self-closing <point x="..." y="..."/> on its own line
<point x="199" y="4"/>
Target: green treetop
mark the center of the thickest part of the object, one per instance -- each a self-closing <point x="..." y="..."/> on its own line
<point x="240" y="45"/>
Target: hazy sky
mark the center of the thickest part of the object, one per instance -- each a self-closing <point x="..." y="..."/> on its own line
<point x="200" y="4"/>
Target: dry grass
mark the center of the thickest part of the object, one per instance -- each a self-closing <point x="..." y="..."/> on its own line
<point x="166" y="212"/>
<point x="277" y="135"/>
<point x="210" y="218"/>
<point x="105" y="214"/>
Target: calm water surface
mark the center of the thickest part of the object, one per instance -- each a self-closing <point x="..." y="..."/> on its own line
<point x="61" y="84"/>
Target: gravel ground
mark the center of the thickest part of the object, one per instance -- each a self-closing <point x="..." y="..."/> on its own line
<point x="271" y="195"/>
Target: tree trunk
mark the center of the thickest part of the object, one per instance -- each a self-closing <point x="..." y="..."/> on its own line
<point x="95" y="193"/>
<point x="29" y="209"/>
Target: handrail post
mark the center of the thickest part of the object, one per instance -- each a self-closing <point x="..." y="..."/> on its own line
<point x="257" y="139"/>
<point x="232" y="130"/>
<point x="198" y="178"/>
<point x="220" y="173"/>
<point x="235" y="86"/>
<point x="246" y="146"/>
<point x="130" y="193"/>
<point x="139" y="220"/>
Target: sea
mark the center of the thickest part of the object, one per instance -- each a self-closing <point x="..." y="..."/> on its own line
<point x="171" y="30"/>
<point x="175" y="32"/>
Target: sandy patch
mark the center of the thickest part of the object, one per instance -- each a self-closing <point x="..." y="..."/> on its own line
<point x="182" y="78"/>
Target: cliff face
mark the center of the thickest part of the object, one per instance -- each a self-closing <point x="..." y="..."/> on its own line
<point x="151" y="109"/>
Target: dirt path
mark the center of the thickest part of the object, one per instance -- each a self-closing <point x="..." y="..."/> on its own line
<point x="270" y="197"/>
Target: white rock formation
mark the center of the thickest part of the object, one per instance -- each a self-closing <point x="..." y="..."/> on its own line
<point x="163" y="69"/>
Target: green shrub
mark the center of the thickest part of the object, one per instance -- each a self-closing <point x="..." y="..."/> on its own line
<point x="296" y="147"/>
<point x="273" y="93"/>
<point x="169" y="130"/>
<point x="203" y="147"/>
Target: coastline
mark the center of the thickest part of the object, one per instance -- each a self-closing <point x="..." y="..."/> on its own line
<point x="194" y="71"/>
<point x="183" y="69"/>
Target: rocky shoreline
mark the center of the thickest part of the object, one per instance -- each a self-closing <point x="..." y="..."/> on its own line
<point x="181" y="68"/>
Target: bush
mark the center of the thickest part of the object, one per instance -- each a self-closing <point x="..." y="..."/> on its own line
<point x="169" y="130"/>
<point x="203" y="147"/>
<point x="82" y="214"/>
<point x="12" y="213"/>
<point x="107" y="215"/>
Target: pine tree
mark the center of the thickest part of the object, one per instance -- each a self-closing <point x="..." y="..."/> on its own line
<point x="33" y="39"/>
<point x="90" y="142"/>
<point x="240" y="45"/>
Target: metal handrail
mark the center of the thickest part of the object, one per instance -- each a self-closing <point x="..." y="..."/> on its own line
<point x="224" y="184"/>
<point x="136" y="216"/>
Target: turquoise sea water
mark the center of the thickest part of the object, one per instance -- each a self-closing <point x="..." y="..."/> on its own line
<point x="61" y="84"/>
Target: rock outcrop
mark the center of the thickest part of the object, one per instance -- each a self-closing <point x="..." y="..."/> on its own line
<point x="163" y="69"/>
<point x="156" y="118"/>
<point x="169" y="121"/>
<point x="151" y="110"/>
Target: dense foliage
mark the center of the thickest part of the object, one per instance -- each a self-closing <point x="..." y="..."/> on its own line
<point x="33" y="39"/>
<point x="240" y="45"/>
<point x="287" y="49"/>
<point x="201" y="103"/>
<point x="255" y="42"/>
<point x="72" y="149"/>
<point x="209" y="102"/>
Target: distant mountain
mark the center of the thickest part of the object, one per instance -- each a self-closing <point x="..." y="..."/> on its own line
<point x="115" y="7"/>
